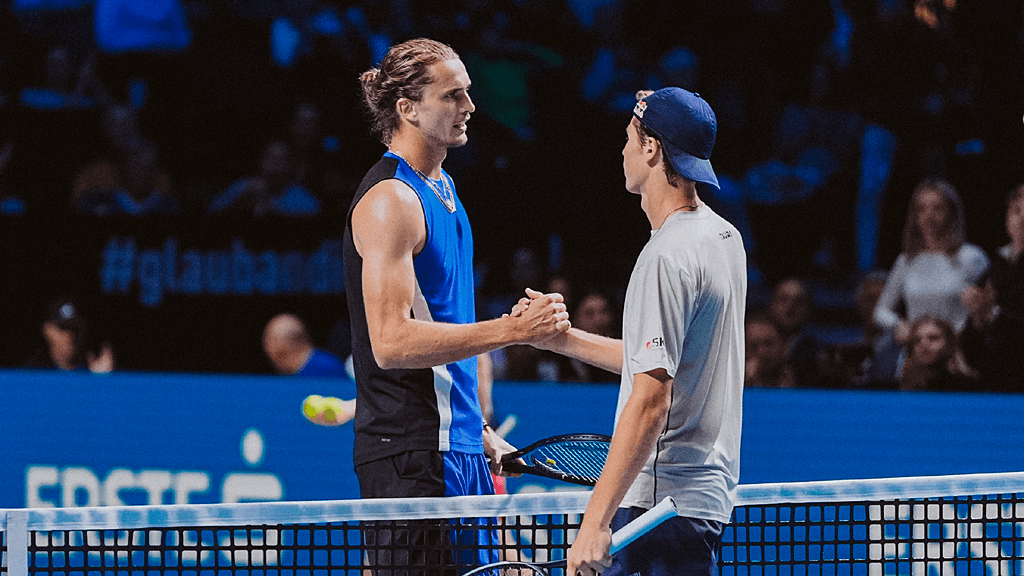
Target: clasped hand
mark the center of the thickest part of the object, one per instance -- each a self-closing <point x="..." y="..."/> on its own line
<point x="543" y="316"/>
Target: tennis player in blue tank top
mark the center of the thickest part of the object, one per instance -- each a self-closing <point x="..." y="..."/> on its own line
<point x="409" y="279"/>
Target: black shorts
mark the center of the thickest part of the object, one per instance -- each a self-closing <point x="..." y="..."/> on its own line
<point x="417" y="547"/>
<point x="416" y="474"/>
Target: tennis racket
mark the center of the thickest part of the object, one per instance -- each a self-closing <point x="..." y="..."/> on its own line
<point x="643" y="524"/>
<point x="575" y="458"/>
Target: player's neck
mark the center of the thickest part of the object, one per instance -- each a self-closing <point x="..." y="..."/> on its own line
<point x="419" y="153"/>
<point x="663" y="200"/>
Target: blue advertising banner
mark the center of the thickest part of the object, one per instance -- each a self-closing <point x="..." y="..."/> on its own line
<point x="84" y="439"/>
<point x="79" y="439"/>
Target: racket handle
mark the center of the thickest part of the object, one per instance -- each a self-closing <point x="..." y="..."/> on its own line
<point x="643" y="524"/>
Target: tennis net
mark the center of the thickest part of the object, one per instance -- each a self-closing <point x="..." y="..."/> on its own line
<point x="968" y="524"/>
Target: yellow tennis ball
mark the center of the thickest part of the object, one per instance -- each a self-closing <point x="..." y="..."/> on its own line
<point x="332" y="409"/>
<point x="312" y="406"/>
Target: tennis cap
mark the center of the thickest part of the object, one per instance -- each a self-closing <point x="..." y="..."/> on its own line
<point x="66" y="314"/>
<point x="686" y="127"/>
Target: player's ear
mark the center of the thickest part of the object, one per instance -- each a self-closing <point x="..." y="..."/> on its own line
<point x="652" y="150"/>
<point x="406" y="109"/>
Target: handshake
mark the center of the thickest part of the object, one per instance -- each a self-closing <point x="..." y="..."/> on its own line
<point x="539" y="318"/>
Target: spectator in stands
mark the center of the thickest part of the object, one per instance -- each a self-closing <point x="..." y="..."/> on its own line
<point x="813" y="205"/>
<point x="522" y="361"/>
<point x="935" y="265"/>
<point x="315" y="155"/>
<point x="934" y="360"/>
<point x="874" y="356"/>
<point x="133" y="184"/>
<point x="55" y="126"/>
<point x="70" y="341"/>
<point x="273" y="190"/>
<point x="595" y="313"/>
<point x="519" y="361"/>
<point x="288" y="345"/>
<point x="766" y="364"/>
<point x="506" y="71"/>
<point x="127" y="176"/>
<point x="882" y="361"/>
<point x="992" y="338"/>
<point x="65" y="87"/>
<point x="790" y="308"/>
<point x="562" y="284"/>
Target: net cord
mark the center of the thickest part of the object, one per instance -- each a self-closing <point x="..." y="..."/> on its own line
<point x="878" y="489"/>
<point x="311" y="512"/>
<point x="569" y="501"/>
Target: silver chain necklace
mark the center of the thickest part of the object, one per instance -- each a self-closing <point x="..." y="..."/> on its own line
<point x="690" y="206"/>
<point x="447" y="197"/>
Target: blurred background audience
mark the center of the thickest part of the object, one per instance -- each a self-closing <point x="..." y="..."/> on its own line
<point x="290" y="349"/>
<point x="993" y="336"/>
<point x="71" y="341"/>
<point x="862" y="149"/>
<point x="936" y="263"/>
<point x="934" y="360"/>
<point x="766" y="363"/>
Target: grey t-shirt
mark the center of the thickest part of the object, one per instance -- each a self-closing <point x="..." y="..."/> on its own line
<point x="931" y="284"/>
<point x="684" y="312"/>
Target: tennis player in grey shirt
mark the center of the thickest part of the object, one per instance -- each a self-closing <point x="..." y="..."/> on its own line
<point x="681" y="357"/>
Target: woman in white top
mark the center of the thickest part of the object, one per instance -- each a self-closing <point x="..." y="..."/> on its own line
<point x="935" y="265"/>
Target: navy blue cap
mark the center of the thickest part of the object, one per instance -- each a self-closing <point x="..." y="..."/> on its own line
<point x="65" y="313"/>
<point x="686" y="126"/>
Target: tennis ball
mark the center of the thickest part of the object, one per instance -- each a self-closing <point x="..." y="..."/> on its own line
<point x="332" y="409"/>
<point x="312" y="406"/>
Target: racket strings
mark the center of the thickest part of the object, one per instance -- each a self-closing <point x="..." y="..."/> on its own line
<point x="583" y="460"/>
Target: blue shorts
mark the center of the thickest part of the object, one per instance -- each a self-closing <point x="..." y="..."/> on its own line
<point x="679" y="546"/>
<point x="466" y="474"/>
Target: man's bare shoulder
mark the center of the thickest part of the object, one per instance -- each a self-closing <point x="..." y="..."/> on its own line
<point x="386" y="201"/>
<point x="389" y="214"/>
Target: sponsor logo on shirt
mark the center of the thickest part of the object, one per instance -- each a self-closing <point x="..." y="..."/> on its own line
<point x="657" y="342"/>
<point x="726" y="234"/>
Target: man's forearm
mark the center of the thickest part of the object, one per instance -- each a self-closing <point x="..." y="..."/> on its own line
<point x="641" y="422"/>
<point x="600" y="351"/>
<point x="423" y="344"/>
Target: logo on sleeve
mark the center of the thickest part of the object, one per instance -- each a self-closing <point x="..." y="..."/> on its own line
<point x="657" y="342"/>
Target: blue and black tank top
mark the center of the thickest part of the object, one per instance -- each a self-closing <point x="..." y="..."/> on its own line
<point x="435" y="408"/>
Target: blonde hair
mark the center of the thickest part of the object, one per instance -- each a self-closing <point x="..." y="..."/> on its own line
<point x="403" y="73"/>
<point x="953" y="228"/>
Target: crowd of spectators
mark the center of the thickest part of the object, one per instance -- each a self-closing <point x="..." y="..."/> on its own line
<point x="842" y="125"/>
